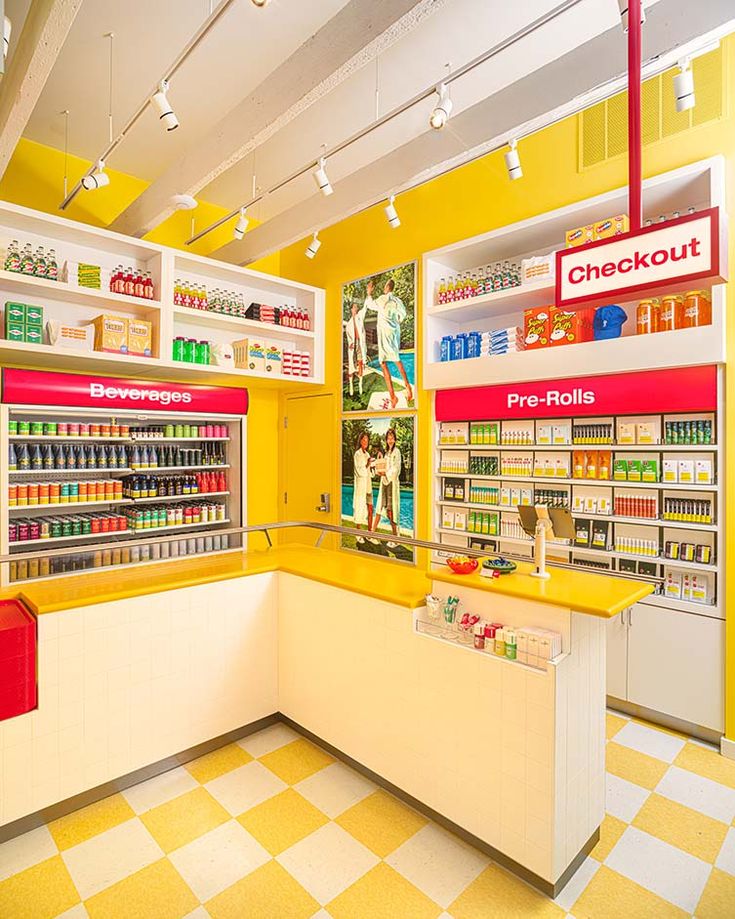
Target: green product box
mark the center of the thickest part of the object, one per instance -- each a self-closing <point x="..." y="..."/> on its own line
<point x="494" y="524"/>
<point x="620" y="470"/>
<point x="635" y="471"/>
<point x="33" y="334"/>
<point x="34" y="315"/>
<point x="14" y="331"/>
<point x="649" y="470"/>
<point x="15" y="312"/>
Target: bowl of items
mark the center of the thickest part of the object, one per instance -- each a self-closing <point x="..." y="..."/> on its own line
<point x="499" y="565"/>
<point x="462" y="564"/>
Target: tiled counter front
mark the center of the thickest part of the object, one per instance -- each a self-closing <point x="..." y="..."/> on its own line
<point x="128" y="683"/>
<point x="512" y="755"/>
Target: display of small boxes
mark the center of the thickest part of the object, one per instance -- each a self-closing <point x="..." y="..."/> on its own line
<point x="110" y="333"/>
<point x="23" y="322"/>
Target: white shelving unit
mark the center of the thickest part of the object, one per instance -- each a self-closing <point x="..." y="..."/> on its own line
<point x="78" y="306"/>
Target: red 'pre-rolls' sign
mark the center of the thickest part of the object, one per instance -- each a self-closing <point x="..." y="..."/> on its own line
<point x="677" y="253"/>
<point x="688" y="389"/>
<point x="41" y="387"/>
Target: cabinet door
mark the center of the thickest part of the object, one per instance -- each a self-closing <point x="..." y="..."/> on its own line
<point x="676" y="664"/>
<point x="617" y="656"/>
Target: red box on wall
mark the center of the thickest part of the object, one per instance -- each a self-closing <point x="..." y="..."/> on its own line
<point x="570" y="327"/>
<point x="18" y="653"/>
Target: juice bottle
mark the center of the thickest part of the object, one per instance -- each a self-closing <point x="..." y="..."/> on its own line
<point x="672" y="313"/>
<point x="648" y="316"/>
<point x="442" y="290"/>
<point x="12" y="257"/>
<point x="27" y="264"/>
<point x="39" y="263"/>
<point x="52" y="266"/>
<point x="697" y="309"/>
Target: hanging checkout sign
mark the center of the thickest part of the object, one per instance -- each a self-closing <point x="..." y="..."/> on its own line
<point x="685" y="389"/>
<point x="645" y="262"/>
<point x="40" y="387"/>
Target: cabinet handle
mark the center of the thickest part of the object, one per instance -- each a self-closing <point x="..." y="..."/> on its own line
<point x="630" y="616"/>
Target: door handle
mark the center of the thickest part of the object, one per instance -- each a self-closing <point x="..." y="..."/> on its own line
<point x="326" y="505"/>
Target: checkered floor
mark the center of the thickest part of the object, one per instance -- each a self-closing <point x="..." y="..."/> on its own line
<point x="274" y="828"/>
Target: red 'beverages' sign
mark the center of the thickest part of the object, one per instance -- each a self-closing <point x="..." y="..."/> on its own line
<point x="41" y="387"/>
<point x="687" y="389"/>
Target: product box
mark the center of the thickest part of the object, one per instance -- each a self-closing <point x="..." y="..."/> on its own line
<point x="635" y="471"/>
<point x="448" y="518"/>
<point x="15" y="312"/>
<point x="569" y="328"/>
<point x="33" y="335"/>
<point x="626" y="432"/>
<point x="648" y="569"/>
<point x="611" y="226"/>
<point x="536" y="327"/>
<point x="68" y="336"/>
<point x="578" y="464"/>
<point x="600" y="534"/>
<point x="604" y="459"/>
<point x="515" y="497"/>
<point x="604" y="506"/>
<point x="703" y="471"/>
<point x="34" y="315"/>
<point x="543" y="433"/>
<point x="649" y="470"/>
<point x="589" y="505"/>
<point x="538" y="268"/>
<point x="526" y="497"/>
<point x="686" y="472"/>
<point x="240" y="352"/>
<point x="626" y="566"/>
<point x="538" y="466"/>
<point x="505" y="497"/>
<point x="273" y="358"/>
<point x="15" y="331"/>
<point x="583" y="532"/>
<point x="577" y="504"/>
<point x="460" y="520"/>
<point x="140" y="337"/>
<point x="699" y="589"/>
<point x="562" y="433"/>
<point x="670" y="471"/>
<point x="222" y="355"/>
<point x="561" y="469"/>
<point x="620" y="470"/>
<point x="110" y="333"/>
<point x="580" y="236"/>
<point x="644" y="432"/>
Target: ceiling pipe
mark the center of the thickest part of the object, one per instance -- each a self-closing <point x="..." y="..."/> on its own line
<point x="635" y="142"/>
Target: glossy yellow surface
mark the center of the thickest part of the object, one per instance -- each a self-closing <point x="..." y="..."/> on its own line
<point x="595" y="594"/>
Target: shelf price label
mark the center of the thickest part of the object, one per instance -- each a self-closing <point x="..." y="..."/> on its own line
<point x="649" y="262"/>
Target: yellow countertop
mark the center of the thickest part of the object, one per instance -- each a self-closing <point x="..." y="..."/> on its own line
<point x="595" y="594"/>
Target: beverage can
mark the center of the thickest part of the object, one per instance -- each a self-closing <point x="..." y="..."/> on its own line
<point x="36" y="427"/>
<point x="12" y="427"/>
<point x="83" y="430"/>
<point x="95" y="430"/>
<point x="12" y="495"/>
<point x="49" y="428"/>
<point x="24" y="428"/>
<point x="73" y="429"/>
<point x="32" y="493"/>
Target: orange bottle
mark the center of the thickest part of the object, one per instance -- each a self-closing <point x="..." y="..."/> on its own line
<point x="672" y="313"/>
<point x="648" y="317"/>
<point x="697" y="309"/>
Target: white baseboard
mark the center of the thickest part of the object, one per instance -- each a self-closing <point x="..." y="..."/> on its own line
<point x="727" y="748"/>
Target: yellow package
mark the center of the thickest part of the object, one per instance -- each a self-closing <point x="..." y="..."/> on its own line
<point x="580" y="236"/>
<point x="140" y="337"/>
<point x="240" y="352"/>
<point x="110" y="333"/>
<point x="611" y="226"/>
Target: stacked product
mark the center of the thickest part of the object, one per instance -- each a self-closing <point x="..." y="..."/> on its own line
<point x="481" y="344"/>
<point x="502" y="341"/>
<point x="120" y="335"/>
<point x="132" y="282"/>
<point x="89" y="276"/>
<point x="24" y="322"/>
<point x="191" y="351"/>
<point x="140" y="487"/>
<point x="158" y="516"/>
<point x="40" y="265"/>
<point x="66" y="526"/>
<point x="603" y="229"/>
<point x="32" y="494"/>
<point x="464" y="286"/>
<point x="674" y="311"/>
<point x="550" y="325"/>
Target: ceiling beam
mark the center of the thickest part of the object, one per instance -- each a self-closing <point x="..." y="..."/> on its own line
<point x="357" y="34"/>
<point x="44" y="33"/>
<point x="549" y="89"/>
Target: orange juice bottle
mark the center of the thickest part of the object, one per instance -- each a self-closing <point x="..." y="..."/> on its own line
<point x="648" y="317"/>
<point x="672" y="313"/>
<point x="697" y="309"/>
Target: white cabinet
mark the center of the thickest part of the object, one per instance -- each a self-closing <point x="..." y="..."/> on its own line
<point x="668" y="661"/>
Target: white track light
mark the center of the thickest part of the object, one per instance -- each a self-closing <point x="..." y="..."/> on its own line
<point x="261" y="3"/>
<point x="166" y="114"/>
<point x="392" y="214"/>
<point x="322" y="179"/>
<point x="443" y="108"/>
<point x="623" y="5"/>
<point x="684" y="86"/>
<point x="313" y="247"/>
<point x="98" y="179"/>
<point x="513" y="161"/>
<point x="242" y="224"/>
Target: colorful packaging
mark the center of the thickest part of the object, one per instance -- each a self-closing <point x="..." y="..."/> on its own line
<point x="635" y="470"/>
<point x="273" y="358"/>
<point x="33" y="334"/>
<point x="620" y="470"/>
<point x="140" y="337"/>
<point x="110" y="333"/>
<point x="34" y="315"/>
<point x="537" y="326"/>
<point x="611" y="226"/>
<point x="240" y="352"/>
<point x="15" y="312"/>
<point x="67" y="336"/>
<point x="580" y="236"/>
<point x="15" y="331"/>
<point x="568" y="328"/>
<point x="649" y="470"/>
<point x="256" y="355"/>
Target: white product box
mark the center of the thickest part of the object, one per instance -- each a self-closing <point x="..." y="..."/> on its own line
<point x="604" y="506"/>
<point x="699" y="589"/>
<point x="69" y="337"/>
<point x="538" y="466"/>
<point x="526" y="497"/>
<point x="505" y="496"/>
<point x="538" y="268"/>
<point x="626" y="432"/>
<point x="672" y="586"/>
<point x="645" y="432"/>
<point x="590" y="504"/>
<point x="543" y="434"/>
<point x="670" y="471"/>
<point x="562" y="433"/>
<point x="515" y="497"/>
<point x="448" y="518"/>
<point x="686" y="471"/>
<point x="460" y="520"/>
<point x="577" y="504"/>
<point x="703" y="471"/>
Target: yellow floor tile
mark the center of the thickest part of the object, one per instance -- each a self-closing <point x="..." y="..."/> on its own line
<point x="217" y="763"/>
<point x="609" y="895"/>
<point x="40" y="892"/>
<point x="267" y="893"/>
<point x="187" y="817"/>
<point x="282" y="820"/>
<point x="89" y="821"/>
<point x="718" y="897"/>
<point x="613" y="723"/>
<point x="683" y="827"/>
<point x="611" y="829"/>
<point x="707" y="763"/>
<point x="381" y="822"/>
<point x="383" y="893"/>
<point x="296" y="761"/>
<point x="633" y="766"/>
<point x="158" y="890"/>
<point x="497" y="893"/>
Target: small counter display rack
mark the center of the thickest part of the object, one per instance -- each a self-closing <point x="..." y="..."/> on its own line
<point x="644" y="492"/>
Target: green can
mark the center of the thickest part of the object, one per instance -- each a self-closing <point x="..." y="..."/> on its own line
<point x="49" y="428"/>
<point x="195" y="432"/>
<point x="24" y="428"/>
<point x="178" y="352"/>
<point x="36" y="427"/>
<point x="56" y="528"/>
<point x="76" y="526"/>
<point x="12" y="427"/>
<point x="190" y="350"/>
<point x="161" y="517"/>
<point x="86" y="526"/>
<point x="187" y="430"/>
<point x="66" y="526"/>
<point x="179" y="430"/>
<point x="169" y="431"/>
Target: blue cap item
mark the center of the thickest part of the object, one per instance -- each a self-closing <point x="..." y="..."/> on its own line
<point x="608" y="321"/>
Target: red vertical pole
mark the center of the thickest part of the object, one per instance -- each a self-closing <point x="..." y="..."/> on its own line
<point x="635" y="176"/>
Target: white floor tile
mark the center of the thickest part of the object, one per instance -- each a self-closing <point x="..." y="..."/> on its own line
<point x="574" y="889"/>
<point x="76" y="912"/>
<point x="327" y="862"/>
<point x="726" y="858"/>
<point x="667" y="871"/>
<point x="699" y="793"/>
<point x="110" y="856"/>
<point x="649" y="741"/>
<point x="25" y="851"/>
<point x="623" y="799"/>
<point x="216" y="860"/>
<point x="335" y="788"/>
<point x="243" y="788"/>
<point x="438" y="863"/>
<point x="199" y="913"/>
<point x="321" y="914"/>
<point x="269" y="739"/>
<point x="160" y="789"/>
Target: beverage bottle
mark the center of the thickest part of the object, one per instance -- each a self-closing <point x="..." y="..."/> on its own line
<point x="24" y="457"/>
<point x="129" y="282"/>
<point x="697" y="309"/>
<point x="91" y="457"/>
<point x="505" y="276"/>
<point x="497" y="277"/>
<point x="177" y="292"/>
<point x="101" y="457"/>
<point x="48" y="457"/>
<point x="648" y="315"/>
<point x="80" y="456"/>
<point x="59" y="458"/>
<point x="39" y="263"/>
<point x="26" y="260"/>
<point x="12" y="458"/>
<point x="138" y="284"/>
<point x="69" y="457"/>
<point x="12" y="257"/>
<point x="221" y="482"/>
<point x="111" y="457"/>
<point x="122" y="457"/>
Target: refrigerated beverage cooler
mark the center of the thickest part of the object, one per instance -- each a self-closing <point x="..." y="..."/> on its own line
<point x="91" y="462"/>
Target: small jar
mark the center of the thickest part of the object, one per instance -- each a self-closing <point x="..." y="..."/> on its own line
<point x="479" y="634"/>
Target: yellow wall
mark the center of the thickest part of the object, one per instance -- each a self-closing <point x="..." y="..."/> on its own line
<point x="34" y="178"/>
<point x="475" y="199"/>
